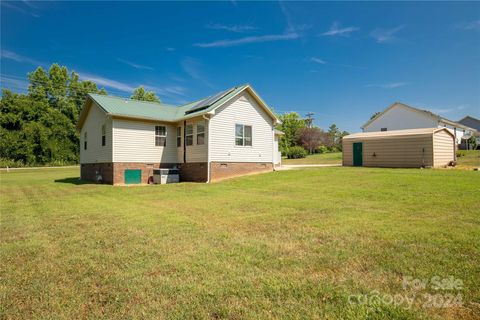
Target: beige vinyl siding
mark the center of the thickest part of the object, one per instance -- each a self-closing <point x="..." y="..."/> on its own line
<point x="401" y="150"/>
<point x="444" y="151"/>
<point x="134" y="141"/>
<point x="195" y="153"/>
<point x="241" y="110"/>
<point x="96" y="153"/>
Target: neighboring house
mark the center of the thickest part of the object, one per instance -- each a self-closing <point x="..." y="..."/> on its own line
<point x="400" y="116"/>
<point x="474" y="123"/>
<point x="231" y="133"/>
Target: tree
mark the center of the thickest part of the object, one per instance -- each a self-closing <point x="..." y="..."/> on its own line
<point x="333" y="134"/>
<point x="141" y="94"/>
<point x="39" y="127"/>
<point x="291" y="123"/>
<point x="310" y="138"/>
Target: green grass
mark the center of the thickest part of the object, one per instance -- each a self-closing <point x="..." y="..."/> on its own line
<point x="291" y="245"/>
<point x="318" y="158"/>
<point x="468" y="159"/>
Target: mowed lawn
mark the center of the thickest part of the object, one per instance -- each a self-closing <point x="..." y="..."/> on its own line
<point x="318" y="158"/>
<point x="284" y="245"/>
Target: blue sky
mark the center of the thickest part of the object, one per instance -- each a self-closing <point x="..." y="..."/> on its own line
<point x="343" y="61"/>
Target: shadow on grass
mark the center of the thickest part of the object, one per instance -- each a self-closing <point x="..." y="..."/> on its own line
<point x="74" y="180"/>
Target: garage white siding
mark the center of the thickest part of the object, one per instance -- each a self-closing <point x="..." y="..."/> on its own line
<point x="134" y="141"/>
<point x="243" y="109"/>
<point x="95" y="152"/>
<point x="444" y="148"/>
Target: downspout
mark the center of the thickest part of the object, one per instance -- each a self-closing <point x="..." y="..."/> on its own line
<point x="273" y="145"/>
<point x="207" y="119"/>
<point x="184" y="141"/>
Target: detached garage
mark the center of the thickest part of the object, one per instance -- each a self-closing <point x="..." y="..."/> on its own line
<point x="412" y="148"/>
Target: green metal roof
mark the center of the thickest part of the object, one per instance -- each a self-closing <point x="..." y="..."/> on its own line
<point x="156" y="111"/>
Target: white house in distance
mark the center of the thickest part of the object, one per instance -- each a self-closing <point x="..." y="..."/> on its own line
<point x="400" y="116"/>
<point x="228" y="134"/>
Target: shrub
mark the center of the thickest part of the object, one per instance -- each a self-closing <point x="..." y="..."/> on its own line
<point x="296" y="153"/>
<point x="322" y="149"/>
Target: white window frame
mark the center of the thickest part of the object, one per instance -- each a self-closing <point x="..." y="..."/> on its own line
<point x="159" y="135"/>
<point x="201" y="133"/>
<point x="188" y="135"/>
<point x="243" y="137"/>
<point x="179" y="137"/>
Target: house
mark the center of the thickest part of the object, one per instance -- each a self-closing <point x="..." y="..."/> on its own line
<point x="228" y="134"/>
<point x="474" y="123"/>
<point x="410" y="148"/>
<point x="401" y="116"/>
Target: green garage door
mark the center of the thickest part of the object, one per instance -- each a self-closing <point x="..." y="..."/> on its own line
<point x="358" y="154"/>
<point x="133" y="176"/>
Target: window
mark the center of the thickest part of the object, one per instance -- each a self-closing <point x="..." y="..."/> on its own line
<point x="383" y="129"/>
<point x="200" y="133"/>
<point x="85" y="141"/>
<point x="179" y="136"/>
<point x="103" y="136"/>
<point x="189" y="135"/>
<point x="160" y="136"/>
<point x="243" y="135"/>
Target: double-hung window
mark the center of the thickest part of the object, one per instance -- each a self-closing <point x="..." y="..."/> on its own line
<point x="179" y="136"/>
<point x="189" y="135"/>
<point x="200" y="133"/>
<point x="160" y="136"/>
<point x="243" y="135"/>
<point x="103" y="136"/>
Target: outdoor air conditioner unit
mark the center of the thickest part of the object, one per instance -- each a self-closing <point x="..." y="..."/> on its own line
<point x="163" y="176"/>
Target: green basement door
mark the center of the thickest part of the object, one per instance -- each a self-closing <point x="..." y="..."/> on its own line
<point x="133" y="176"/>
<point x="358" y="154"/>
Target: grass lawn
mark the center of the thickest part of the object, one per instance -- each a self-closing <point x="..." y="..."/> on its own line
<point x="468" y="159"/>
<point x="290" y="244"/>
<point x="318" y="158"/>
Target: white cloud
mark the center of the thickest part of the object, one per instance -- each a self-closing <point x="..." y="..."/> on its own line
<point x="390" y="85"/>
<point x="336" y="30"/>
<point x="15" y="6"/>
<point x="317" y="60"/>
<point x="385" y="35"/>
<point x="473" y="25"/>
<point x="170" y="49"/>
<point x="233" y="28"/>
<point x="443" y="110"/>
<point x="124" y="87"/>
<point x="192" y="67"/>
<point x="5" y="54"/>
<point x="246" y="40"/>
<point x="13" y="82"/>
<point x="134" y="65"/>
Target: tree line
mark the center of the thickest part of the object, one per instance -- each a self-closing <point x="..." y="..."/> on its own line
<point x="39" y="127"/>
<point x="302" y="137"/>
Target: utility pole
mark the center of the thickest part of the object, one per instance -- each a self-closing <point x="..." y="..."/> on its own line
<point x="309" y="119"/>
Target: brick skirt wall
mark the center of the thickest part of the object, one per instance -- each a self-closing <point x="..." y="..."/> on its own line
<point x="88" y="172"/>
<point x="223" y="170"/>
<point x="113" y="173"/>
<point x="194" y="171"/>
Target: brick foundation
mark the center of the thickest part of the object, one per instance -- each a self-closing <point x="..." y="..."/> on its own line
<point x="224" y="170"/>
<point x="113" y="173"/>
<point x="194" y="171"/>
<point x="147" y="170"/>
<point x="88" y="172"/>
